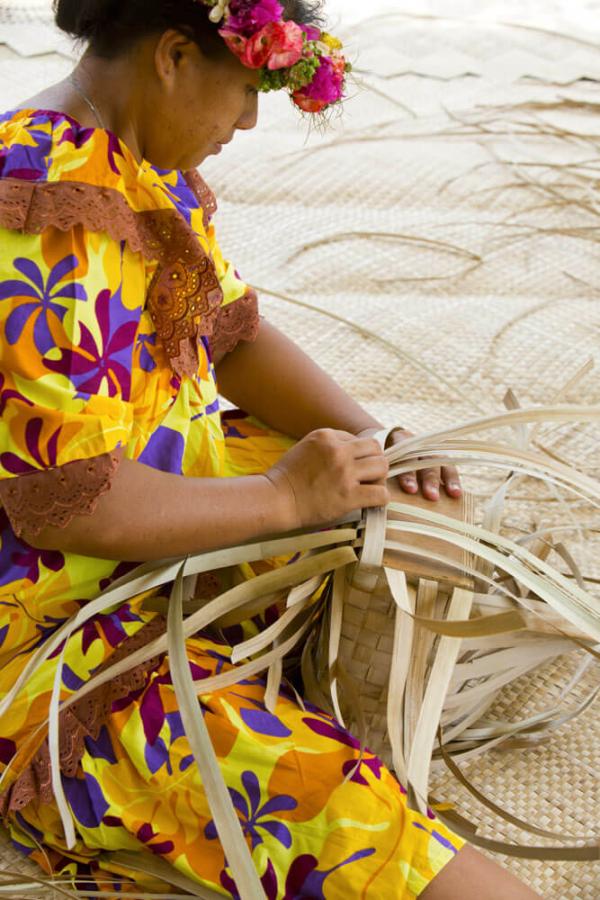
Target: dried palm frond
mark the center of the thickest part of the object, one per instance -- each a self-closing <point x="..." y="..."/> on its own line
<point x="426" y="678"/>
<point x="459" y="611"/>
<point x="393" y="348"/>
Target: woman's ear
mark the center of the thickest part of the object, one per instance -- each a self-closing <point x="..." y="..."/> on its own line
<point x="170" y="52"/>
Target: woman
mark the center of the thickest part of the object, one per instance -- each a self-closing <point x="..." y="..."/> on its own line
<point x="118" y="315"/>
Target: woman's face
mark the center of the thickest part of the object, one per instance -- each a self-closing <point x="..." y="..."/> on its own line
<point x="194" y="104"/>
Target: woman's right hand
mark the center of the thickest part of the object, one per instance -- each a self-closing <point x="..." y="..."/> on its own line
<point x="328" y="474"/>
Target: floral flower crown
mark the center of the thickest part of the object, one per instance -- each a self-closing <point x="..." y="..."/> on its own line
<point x="307" y="62"/>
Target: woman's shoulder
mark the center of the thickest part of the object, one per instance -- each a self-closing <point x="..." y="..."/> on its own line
<point x="39" y="145"/>
<point x="53" y="170"/>
<point x="42" y="146"/>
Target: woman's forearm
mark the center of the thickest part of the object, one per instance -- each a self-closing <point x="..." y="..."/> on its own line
<point x="274" y="380"/>
<point x="148" y="514"/>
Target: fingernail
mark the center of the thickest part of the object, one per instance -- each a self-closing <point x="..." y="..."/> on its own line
<point x="434" y="493"/>
<point x="454" y="485"/>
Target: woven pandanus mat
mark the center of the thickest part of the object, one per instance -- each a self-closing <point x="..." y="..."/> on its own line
<point x="32" y="12"/>
<point x="435" y="248"/>
<point x="555" y="786"/>
<point x="14" y="862"/>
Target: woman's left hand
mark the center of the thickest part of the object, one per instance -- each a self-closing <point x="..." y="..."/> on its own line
<point x="428" y="480"/>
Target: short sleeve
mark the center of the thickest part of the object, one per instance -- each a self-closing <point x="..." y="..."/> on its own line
<point x="238" y="318"/>
<point x="70" y="309"/>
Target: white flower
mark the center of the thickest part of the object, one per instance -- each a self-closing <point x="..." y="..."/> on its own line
<point x="219" y="11"/>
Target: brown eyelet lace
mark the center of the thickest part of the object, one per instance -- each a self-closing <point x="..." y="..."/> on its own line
<point x="185" y="295"/>
<point x="54" y="497"/>
<point x="239" y="321"/>
<point x="84" y="719"/>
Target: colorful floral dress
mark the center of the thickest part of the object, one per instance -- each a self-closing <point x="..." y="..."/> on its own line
<point x="115" y="301"/>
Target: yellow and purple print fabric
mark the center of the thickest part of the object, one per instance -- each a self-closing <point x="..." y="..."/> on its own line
<point x="82" y="373"/>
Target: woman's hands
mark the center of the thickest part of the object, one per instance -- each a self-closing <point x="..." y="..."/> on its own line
<point x="329" y="474"/>
<point x="429" y="479"/>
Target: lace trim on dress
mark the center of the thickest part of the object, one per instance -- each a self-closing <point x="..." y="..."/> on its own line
<point x="203" y="194"/>
<point x="56" y="496"/>
<point x="238" y="321"/>
<point x="184" y="301"/>
<point x="185" y="294"/>
<point x="83" y="720"/>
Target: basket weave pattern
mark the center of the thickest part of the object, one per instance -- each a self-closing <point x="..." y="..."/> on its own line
<point x="525" y="318"/>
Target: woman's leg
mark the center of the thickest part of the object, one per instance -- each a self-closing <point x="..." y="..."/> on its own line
<point x="321" y="819"/>
<point x="472" y="876"/>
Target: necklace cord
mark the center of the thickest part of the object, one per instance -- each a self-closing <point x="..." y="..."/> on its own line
<point x="75" y="83"/>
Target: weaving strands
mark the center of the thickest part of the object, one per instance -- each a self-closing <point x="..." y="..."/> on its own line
<point x="397" y="686"/>
<point x="430" y="702"/>
<point x="444" y="245"/>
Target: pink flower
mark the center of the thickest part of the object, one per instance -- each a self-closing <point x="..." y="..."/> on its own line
<point x="237" y="43"/>
<point x="249" y="16"/>
<point x="287" y="45"/>
<point x="278" y="46"/>
<point x="312" y="33"/>
<point x="327" y="87"/>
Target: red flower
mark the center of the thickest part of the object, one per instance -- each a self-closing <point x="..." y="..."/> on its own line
<point x="278" y="45"/>
<point x="307" y="104"/>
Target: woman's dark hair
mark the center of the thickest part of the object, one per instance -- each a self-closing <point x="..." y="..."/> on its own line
<point x="110" y="27"/>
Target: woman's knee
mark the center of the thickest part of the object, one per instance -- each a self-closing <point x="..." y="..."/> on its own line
<point x="472" y="876"/>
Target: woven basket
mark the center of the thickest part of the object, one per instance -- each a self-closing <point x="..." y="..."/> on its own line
<point x="366" y="634"/>
<point x="391" y="663"/>
<point x="395" y="655"/>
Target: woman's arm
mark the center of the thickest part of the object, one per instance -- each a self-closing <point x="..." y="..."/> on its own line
<point x="148" y="514"/>
<point x="274" y="380"/>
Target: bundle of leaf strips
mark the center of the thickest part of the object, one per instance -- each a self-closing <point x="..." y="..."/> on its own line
<point x="513" y="612"/>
